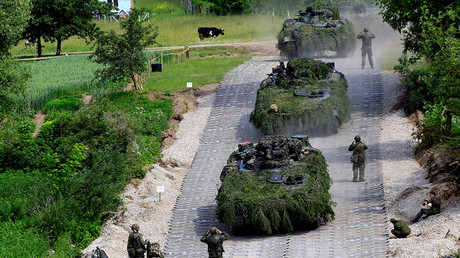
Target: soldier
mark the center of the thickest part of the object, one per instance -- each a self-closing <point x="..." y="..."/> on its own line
<point x="215" y="238"/>
<point x="401" y="229"/>
<point x="366" y="36"/>
<point x="358" y="158"/>
<point x="136" y="243"/>
<point x="433" y="206"/>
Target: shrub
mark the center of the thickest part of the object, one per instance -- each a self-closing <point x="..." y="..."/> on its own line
<point x="21" y="194"/>
<point x="18" y="240"/>
<point x="64" y="104"/>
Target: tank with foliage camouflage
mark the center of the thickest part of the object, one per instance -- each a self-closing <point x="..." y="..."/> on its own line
<point x="315" y="30"/>
<point x="305" y="97"/>
<point x="279" y="185"/>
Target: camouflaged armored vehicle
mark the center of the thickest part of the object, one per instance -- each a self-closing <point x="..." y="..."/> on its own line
<point x="315" y="30"/>
<point x="305" y="97"/>
<point x="278" y="185"/>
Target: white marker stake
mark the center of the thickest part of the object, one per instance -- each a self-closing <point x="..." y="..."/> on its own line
<point x="160" y="189"/>
<point x="189" y="84"/>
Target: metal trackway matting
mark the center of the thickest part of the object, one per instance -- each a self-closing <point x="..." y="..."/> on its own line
<point x="360" y="225"/>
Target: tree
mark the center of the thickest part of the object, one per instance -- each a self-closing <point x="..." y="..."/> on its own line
<point x="14" y="15"/>
<point x="444" y="77"/>
<point x="406" y="17"/>
<point x="13" y="18"/>
<point x="123" y="54"/>
<point x="58" y="20"/>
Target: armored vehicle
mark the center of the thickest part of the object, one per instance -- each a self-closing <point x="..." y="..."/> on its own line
<point x="305" y="97"/>
<point x="315" y="30"/>
<point x="279" y="185"/>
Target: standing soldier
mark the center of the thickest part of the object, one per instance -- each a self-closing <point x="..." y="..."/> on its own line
<point x="366" y="36"/>
<point x="358" y="158"/>
<point x="136" y="243"/>
<point x="215" y="238"/>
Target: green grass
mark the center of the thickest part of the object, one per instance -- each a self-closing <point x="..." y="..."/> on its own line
<point x="198" y="71"/>
<point x="180" y="31"/>
<point x="197" y="52"/>
<point x="53" y="78"/>
<point x="388" y="57"/>
<point x="168" y="8"/>
<point x="72" y="75"/>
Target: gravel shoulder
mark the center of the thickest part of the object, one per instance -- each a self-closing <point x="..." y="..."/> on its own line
<point x="406" y="187"/>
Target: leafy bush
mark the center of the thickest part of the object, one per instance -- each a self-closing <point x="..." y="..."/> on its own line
<point x="18" y="240"/>
<point x="21" y="194"/>
<point x="63" y="104"/>
<point x="435" y="86"/>
<point x="63" y="184"/>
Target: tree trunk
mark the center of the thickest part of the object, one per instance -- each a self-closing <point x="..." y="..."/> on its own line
<point x="135" y="83"/>
<point x="449" y="122"/>
<point x="39" y="47"/>
<point x="58" y="47"/>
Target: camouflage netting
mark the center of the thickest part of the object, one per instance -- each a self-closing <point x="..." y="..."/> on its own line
<point x="286" y="102"/>
<point x="313" y="35"/>
<point x="268" y="195"/>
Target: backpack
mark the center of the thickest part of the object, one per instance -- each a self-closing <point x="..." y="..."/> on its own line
<point x="153" y="250"/>
<point x="135" y="247"/>
<point x="98" y="253"/>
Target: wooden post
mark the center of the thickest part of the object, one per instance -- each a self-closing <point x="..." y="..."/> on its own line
<point x="187" y="52"/>
<point x="149" y="67"/>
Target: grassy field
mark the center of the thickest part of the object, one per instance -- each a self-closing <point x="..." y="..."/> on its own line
<point x="389" y="55"/>
<point x="181" y="31"/>
<point x="73" y="75"/>
<point x="57" y="77"/>
<point x="198" y="71"/>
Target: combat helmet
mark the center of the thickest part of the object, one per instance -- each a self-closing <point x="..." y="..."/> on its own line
<point x="213" y="231"/>
<point x="135" y="227"/>
<point x="366" y="29"/>
<point x="357" y="138"/>
<point x="393" y="220"/>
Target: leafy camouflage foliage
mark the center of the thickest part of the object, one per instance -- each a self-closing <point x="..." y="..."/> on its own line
<point x="301" y="114"/>
<point x="248" y="203"/>
<point x="312" y="40"/>
<point x="317" y="29"/>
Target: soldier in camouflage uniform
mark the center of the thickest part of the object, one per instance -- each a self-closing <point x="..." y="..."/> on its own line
<point x="358" y="158"/>
<point x="433" y="206"/>
<point x="215" y="238"/>
<point x="366" y="36"/>
<point x="401" y="230"/>
<point x="136" y="243"/>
